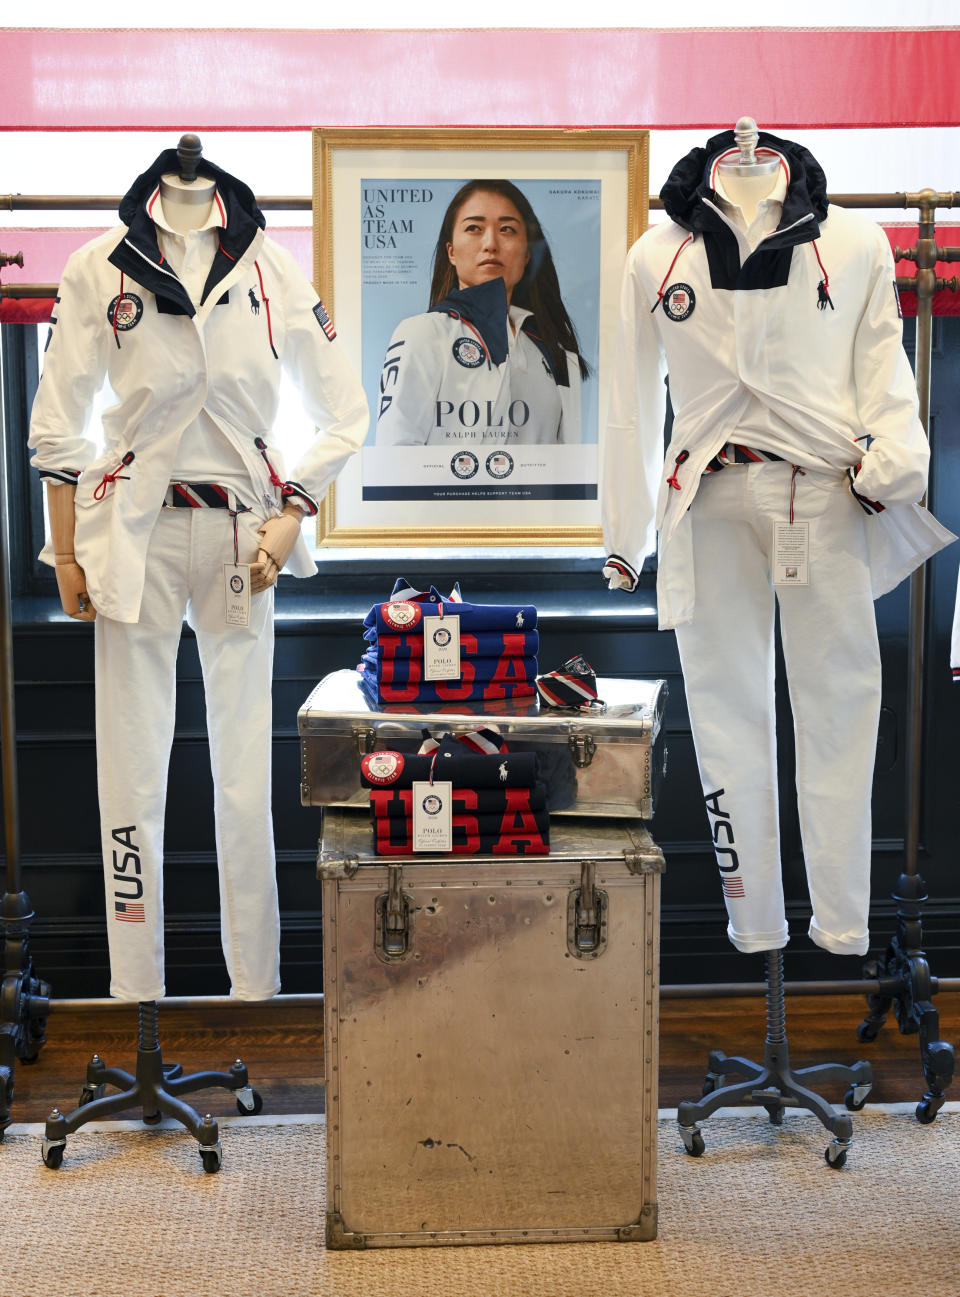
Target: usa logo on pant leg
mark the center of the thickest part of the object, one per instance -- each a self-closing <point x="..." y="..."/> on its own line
<point x="730" y="878"/>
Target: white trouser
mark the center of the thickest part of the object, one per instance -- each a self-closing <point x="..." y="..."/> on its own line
<point x="829" y="635"/>
<point x="135" y="698"/>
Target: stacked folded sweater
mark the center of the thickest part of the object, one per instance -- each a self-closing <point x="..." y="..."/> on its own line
<point x="498" y="649"/>
<point x="498" y="800"/>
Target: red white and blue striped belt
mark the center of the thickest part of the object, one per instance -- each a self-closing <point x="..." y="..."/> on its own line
<point x="202" y="495"/>
<point x="736" y="453"/>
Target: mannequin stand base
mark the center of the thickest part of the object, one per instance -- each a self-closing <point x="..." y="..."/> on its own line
<point x="24" y="998"/>
<point x="774" y="1085"/>
<point x="904" y="982"/>
<point x="156" y="1087"/>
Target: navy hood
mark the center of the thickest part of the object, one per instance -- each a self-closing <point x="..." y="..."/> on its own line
<point x="689" y="181"/>
<point x="768" y="266"/>
<point x="138" y="254"/>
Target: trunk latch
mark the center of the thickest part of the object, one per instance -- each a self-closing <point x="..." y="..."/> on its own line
<point x="393" y="939"/>
<point x="366" y="741"/>
<point x="587" y="916"/>
<point x="582" y="746"/>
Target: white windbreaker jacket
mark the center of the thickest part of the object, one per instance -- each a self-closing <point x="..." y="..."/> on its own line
<point x="802" y="340"/>
<point x="123" y="316"/>
<point x="453" y="377"/>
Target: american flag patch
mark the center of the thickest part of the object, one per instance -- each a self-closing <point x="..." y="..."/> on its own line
<point x="129" y="911"/>
<point x="733" y="887"/>
<point x="323" y="319"/>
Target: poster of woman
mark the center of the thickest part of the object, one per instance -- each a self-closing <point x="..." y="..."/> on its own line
<point x="487" y="282"/>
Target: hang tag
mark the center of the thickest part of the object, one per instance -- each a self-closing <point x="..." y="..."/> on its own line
<point x="432" y="815"/>
<point x="791" y="553"/>
<point x="236" y="593"/>
<point x="441" y="648"/>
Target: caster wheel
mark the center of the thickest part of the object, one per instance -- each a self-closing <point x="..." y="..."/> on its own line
<point x="89" y="1093"/>
<point x="211" y="1159"/>
<point x="53" y="1156"/>
<point x="253" y="1108"/>
<point x="152" y="1118"/>
<point x="696" y="1146"/>
<point x="850" y="1099"/>
<point x="867" y="1031"/>
<point x="27" y="1059"/>
<point x="835" y="1157"/>
<point x="775" y="1113"/>
<point x="926" y="1113"/>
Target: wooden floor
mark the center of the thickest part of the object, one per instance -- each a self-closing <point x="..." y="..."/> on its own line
<point x="282" y="1045"/>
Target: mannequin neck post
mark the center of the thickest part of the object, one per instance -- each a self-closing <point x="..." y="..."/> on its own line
<point x="186" y="206"/>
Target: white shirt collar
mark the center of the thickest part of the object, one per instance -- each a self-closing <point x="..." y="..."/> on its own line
<point x="776" y="195"/>
<point x="217" y="218"/>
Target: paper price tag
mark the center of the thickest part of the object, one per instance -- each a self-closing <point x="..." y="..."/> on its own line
<point x="236" y="593"/>
<point x="432" y="815"/>
<point x="791" y="553"/>
<point x="441" y="648"/>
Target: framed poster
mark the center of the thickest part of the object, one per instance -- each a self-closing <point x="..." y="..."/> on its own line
<point x="474" y="277"/>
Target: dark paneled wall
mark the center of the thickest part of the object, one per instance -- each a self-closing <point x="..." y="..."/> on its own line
<point x="318" y="631"/>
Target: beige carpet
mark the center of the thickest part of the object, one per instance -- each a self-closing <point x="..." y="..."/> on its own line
<point x="131" y="1214"/>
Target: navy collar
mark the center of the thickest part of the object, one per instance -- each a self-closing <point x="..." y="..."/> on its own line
<point x="484" y="307"/>
<point x="138" y="253"/>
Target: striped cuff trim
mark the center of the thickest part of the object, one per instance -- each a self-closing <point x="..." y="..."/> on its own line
<point x="69" y="475"/>
<point x="615" y="564"/>
<point x="866" y="504"/>
<point x="955" y="672"/>
<point x="294" y="491"/>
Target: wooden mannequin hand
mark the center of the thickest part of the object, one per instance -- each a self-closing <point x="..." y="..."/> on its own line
<point x="72" y="584"/>
<point x="278" y="537"/>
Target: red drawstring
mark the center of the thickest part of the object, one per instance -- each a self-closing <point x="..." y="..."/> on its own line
<point x="116" y="336"/>
<point x="275" y="480"/>
<point x="681" y="459"/>
<point x="101" y="489"/>
<point x="687" y="240"/>
<point x="793" y="487"/>
<point x="823" y="288"/>
<point x="266" y="302"/>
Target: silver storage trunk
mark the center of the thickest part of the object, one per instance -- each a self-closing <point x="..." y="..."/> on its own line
<point x="490" y="1033"/>
<point x="607" y="763"/>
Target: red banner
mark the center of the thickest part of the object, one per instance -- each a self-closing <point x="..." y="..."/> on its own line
<point x="291" y="80"/>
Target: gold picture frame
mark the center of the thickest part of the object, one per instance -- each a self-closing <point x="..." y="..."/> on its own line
<point x="597" y="178"/>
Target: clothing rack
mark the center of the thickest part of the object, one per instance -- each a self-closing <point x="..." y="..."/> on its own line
<point x="902" y="979"/>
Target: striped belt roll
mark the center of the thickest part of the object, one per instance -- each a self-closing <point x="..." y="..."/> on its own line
<point x="202" y="495"/>
<point x="572" y="685"/>
<point x="734" y="453"/>
<point x="486" y="740"/>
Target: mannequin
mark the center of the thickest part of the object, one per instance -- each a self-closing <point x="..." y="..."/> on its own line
<point x="185" y="514"/>
<point x="796" y="461"/>
<point x="185" y="414"/>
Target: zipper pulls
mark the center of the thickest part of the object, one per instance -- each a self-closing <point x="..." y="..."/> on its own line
<point x="681" y="459"/>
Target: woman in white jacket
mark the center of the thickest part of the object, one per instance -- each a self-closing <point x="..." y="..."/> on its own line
<point x="496" y="357"/>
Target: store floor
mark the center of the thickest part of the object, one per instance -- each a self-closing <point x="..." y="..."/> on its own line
<point x="282" y="1044"/>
